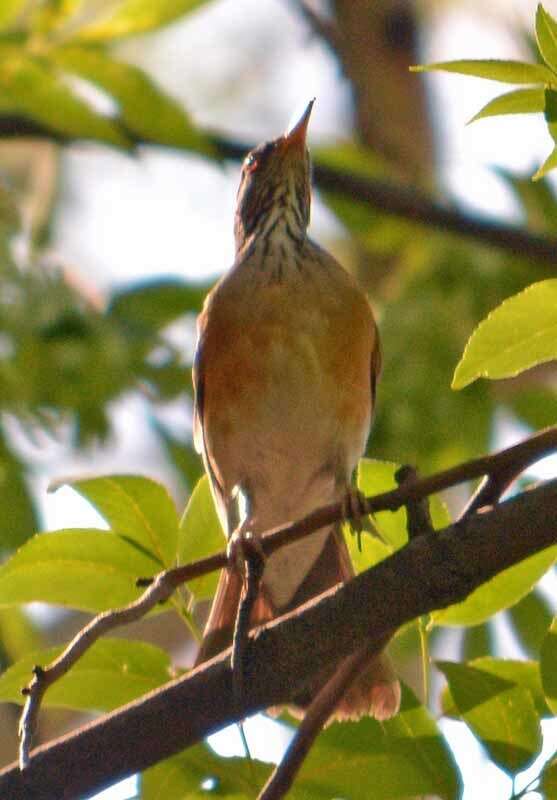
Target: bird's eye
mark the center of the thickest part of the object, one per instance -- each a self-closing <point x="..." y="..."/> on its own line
<point x="250" y="162"/>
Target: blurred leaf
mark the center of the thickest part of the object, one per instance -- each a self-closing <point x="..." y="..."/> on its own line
<point x="130" y="17"/>
<point x="548" y="666"/>
<point x="500" y="592"/>
<point x="477" y="641"/>
<point x="548" y="782"/>
<point x="19" y="519"/>
<point x="530" y="618"/>
<point x="112" y="672"/>
<point x="525" y="674"/>
<point x="537" y="199"/>
<point x="549" y="164"/>
<point x="86" y="569"/>
<point x="500" y="713"/>
<point x="519" y="334"/>
<point x="546" y="37"/>
<point x="200" y="535"/>
<point x="18" y="635"/>
<point x="183" y="456"/>
<point x="144" y="108"/>
<point x="10" y="11"/>
<point x="29" y="86"/>
<point x="137" y="508"/>
<point x="495" y="70"/>
<point x="402" y="757"/>
<point x="550" y="112"/>
<point x="519" y="101"/>
<point x="182" y="776"/>
<point x="157" y="303"/>
<point x="536" y="407"/>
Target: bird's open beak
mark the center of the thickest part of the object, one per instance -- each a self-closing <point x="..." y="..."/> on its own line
<point x="295" y="136"/>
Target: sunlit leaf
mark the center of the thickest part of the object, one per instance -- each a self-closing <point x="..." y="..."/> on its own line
<point x="18" y="634"/>
<point x="519" y="334"/>
<point x="549" y="164"/>
<point x="499" y="712"/>
<point x="519" y="101"/>
<point x="548" y="666"/>
<point x="546" y="37"/>
<point x="86" y="569"/>
<point x="136" y="508"/>
<point x="182" y="776"/>
<point x="200" y="535"/>
<point x="495" y="70"/>
<point x="525" y="674"/>
<point x="29" y="86"/>
<point x="144" y="108"/>
<point x="10" y="12"/>
<point x="502" y="591"/>
<point x="130" y="17"/>
<point x="112" y="672"/>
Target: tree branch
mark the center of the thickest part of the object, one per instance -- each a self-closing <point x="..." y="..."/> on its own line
<point x="387" y="198"/>
<point x="432" y="572"/>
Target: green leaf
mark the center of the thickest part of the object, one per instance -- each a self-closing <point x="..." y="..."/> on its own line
<point x="548" y="782"/>
<point x="519" y="101"/>
<point x="550" y="112"/>
<point x="549" y="164"/>
<point x="495" y="70"/>
<point x="525" y="674"/>
<point x="182" y="776"/>
<point x="537" y="407"/>
<point x="19" y="519"/>
<point x="153" y="304"/>
<point x="548" y="666"/>
<point x="144" y="108"/>
<point x="200" y="535"/>
<point x="10" y="11"/>
<point x="87" y="569"/>
<point x="500" y="592"/>
<point x="402" y="757"/>
<point x="477" y="641"/>
<point x="111" y="673"/>
<point x="29" y="86"/>
<point x="518" y="334"/>
<point x="530" y="619"/>
<point x="18" y="634"/>
<point x="500" y="713"/>
<point x="130" y="17"/>
<point x="546" y="37"/>
<point x="138" y="509"/>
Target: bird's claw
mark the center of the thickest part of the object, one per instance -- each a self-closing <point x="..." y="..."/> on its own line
<point x="244" y="546"/>
<point x="354" y="508"/>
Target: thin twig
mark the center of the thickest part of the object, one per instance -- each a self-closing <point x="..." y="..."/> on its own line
<point x="313" y="722"/>
<point x="509" y="462"/>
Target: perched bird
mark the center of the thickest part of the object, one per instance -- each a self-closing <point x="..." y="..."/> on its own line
<point x="285" y="372"/>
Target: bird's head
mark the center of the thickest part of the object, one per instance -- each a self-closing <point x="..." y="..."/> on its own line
<point x="274" y="194"/>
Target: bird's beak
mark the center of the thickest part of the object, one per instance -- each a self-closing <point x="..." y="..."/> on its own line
<point x="295" y="136"/>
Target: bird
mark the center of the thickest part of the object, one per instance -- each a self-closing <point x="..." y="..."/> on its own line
<point x="285" y="373"/>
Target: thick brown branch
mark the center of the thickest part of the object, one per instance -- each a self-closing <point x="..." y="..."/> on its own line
<point x="387" y="198"/>
<point x="432" y="572"/>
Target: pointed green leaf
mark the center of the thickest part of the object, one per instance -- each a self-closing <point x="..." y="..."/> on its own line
<point x="111" y="673"/>
<point x="530" y="618"/>
<point x="130" y="17"/>
<point x="501" y="714"/>
<point x="550" y="112"/>
<point x="517" y="335"/>
<point x="548" y="666"/>
<point x="500" y="592"/>
<point x="201" y="535"/>
<point x="153" y="304"/>
<point x="548" y="165"/>
<point x="546" y="37"/>
<point x="19" y="519"/>
<point x="477" y="641"/>
<point x="144" y="108"/>
<point x="402" y="757"/>
<point x="138" y="509"/>
<point x="29" y="86"/>
<point x="86" y="569"/>
<point x="519" y="101"/>
<point x="182" y="776"/>
<point x="495" y="70"/>
<point x="525" y="674"/>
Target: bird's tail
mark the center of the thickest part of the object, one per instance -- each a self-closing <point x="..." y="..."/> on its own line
<point x="376" y="692"/>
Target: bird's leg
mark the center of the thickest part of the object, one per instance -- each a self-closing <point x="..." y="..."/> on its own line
<point x="245" y="555"/>
<point x="354" y="508"/>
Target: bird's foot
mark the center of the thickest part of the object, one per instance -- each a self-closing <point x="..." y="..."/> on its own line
<point x="244" y="547"/>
